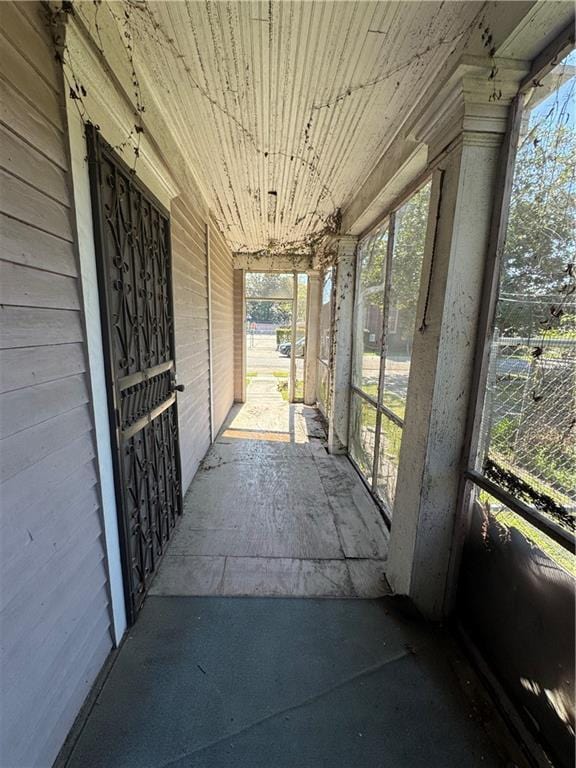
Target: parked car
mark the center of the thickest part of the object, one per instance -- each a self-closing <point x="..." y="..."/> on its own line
<point x="285" y="348"/>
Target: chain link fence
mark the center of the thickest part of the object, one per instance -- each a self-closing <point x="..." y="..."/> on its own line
<point x="530" y="414"/>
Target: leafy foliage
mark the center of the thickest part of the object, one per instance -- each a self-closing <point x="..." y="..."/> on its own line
<point x="409" y="240"/>
<point x="532" y="391"/>
<point x="270" y="297"/>
<point x="540" y="244"/>
<point x="274" y="312"/>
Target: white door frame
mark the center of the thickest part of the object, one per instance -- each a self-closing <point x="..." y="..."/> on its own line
<point x="109" y="107"/>
<point x="93" y="328"/>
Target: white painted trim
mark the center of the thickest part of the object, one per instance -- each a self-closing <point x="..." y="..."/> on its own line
<point x="87" y="254"/>
<point x="107" y="106"/>
<point x="312" y="337"/>
<point x="342" y="344"/>
<point x="266" y="262"/>
<point x="294" y="325"/>
<point x="243" y="321"/>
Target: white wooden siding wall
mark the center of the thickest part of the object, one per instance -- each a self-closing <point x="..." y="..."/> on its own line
<point x="191" y="330"/>
<point x="54" y="617"/>
<point x="222" y="279"/>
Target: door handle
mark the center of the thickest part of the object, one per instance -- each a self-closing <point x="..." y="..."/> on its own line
<point x="173" y="386"/>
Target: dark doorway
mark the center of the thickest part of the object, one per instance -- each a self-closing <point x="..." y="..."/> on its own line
<point x="132" y="239"/>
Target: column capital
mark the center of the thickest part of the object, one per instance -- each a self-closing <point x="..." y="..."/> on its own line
<point x="345" y="245"/>
<point x="334" y="248"/>
<point x="472" y="103"/>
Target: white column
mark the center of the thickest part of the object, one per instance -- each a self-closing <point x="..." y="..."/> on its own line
<point x="239" y="337"/>
<point x="423" y="542"/>
<point x="312" y="338"/>
<point x="342" y="344"/>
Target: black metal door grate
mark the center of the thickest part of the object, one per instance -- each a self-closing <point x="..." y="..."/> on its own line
<point x="132" y="237"/>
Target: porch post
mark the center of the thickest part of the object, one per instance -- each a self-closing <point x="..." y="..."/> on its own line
<point x="239" y="337"/>
<point x="342" y="344"/>
<point x="464" y="128"/>
<point x="312" y="331"/>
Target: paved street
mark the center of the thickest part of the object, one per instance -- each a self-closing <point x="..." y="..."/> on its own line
<point x="262" y="356"/>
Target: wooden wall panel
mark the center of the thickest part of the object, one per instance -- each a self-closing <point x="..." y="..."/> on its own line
<point x="222" y="285"/>
<point x="29" y="123"/>
<point x="31" y="327"/>
<point x="54" y="612"/>
<point x="190" y="249"/>
<point x="54" y="600"/>
<point x="19" y="245"/>
<point x="191" y="329"/>
<point x="24" y="367"/>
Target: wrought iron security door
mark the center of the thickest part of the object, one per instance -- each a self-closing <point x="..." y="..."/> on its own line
<point x="132" y="237"/>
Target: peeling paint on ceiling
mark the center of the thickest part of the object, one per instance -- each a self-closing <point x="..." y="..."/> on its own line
<point x="284" y="108"/>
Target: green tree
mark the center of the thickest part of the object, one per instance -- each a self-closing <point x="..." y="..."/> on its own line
<point x="276" y="312"/>
<point x="274" y="287"/>
<point x="408" y="252"/>
<point x="541" y="234"/>
<point x="263" y="285"/>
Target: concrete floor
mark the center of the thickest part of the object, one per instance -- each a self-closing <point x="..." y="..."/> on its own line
<point x="265" y="683"/>
<point x="271" y="513"/>
<point x="246" y="682"/>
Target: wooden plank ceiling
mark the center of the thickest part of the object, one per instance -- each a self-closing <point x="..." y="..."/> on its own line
<point x="283" y="108"/>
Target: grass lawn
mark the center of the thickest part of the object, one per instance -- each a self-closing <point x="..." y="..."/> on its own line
<point x="282" y="377"/>
<point x="555" y="552"/>
<point x="509" y="519"/>
<point x="393" y="402"/>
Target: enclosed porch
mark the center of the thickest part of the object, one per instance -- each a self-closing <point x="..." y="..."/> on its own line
<point x="288" y="383"/>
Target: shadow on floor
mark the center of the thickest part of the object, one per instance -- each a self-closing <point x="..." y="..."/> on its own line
<point x="264" y="683"/>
